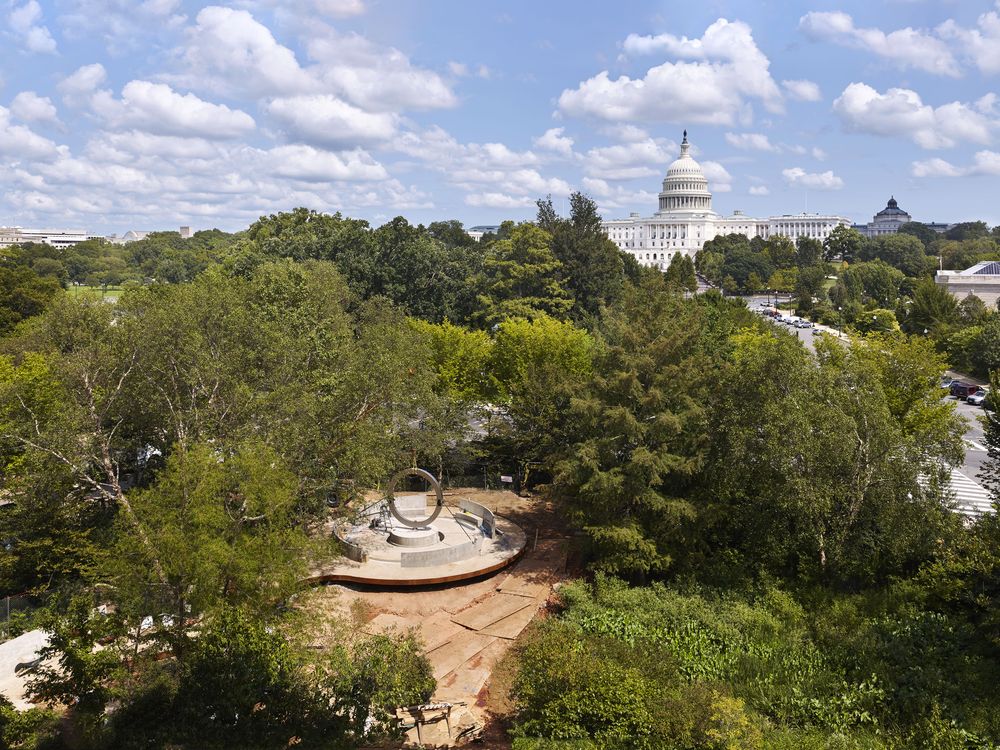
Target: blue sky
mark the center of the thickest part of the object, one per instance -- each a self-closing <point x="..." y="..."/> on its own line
<point x="118" y="115"/>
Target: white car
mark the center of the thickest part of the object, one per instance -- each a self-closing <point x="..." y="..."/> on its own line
<point x="977" y="398"/>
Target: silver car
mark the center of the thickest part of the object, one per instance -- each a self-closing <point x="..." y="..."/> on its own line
<point x="977" y="398"/>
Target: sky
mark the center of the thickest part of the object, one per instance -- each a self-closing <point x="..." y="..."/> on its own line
<point x="145" y="115"/>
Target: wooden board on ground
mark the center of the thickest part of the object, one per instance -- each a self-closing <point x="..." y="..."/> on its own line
<point x="469" y="677"/>
<point x="437" y="629"/>
<point x="487" y="612"/>
<point x="456" y="652"/>
<point x="386" y="621"/>
<point x="521" y="587"/>
<point x="511" y="626"/>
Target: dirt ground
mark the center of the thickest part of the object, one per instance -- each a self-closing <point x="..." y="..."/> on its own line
<point x="466" y="627"/>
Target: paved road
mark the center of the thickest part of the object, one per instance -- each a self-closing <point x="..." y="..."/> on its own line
<point x="805" y="335"/>
<point x="971" y="496"/>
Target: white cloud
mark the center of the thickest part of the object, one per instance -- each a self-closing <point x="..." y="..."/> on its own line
<point x="157" y="108"/>
<point x="905" y="48"/>
<point x="376" y="77"/>
<point x="498" y="200"/>
<point x="730" y="71"/>
<point x="981" y="45"/>
<point x="325" y="120"/>
<point x="987" y="104"/>
<point x="492" y="174"/>
<point x="719" y="180"/>
<point x="798" y="177"/>
<point x="626" y="161"/>
<point x="617" y="196"/>
<point x="80" y="85"/>
<point x="984" y="163"/>
<point x="29" y="31"/>
<point x="127" y="146"/>
<point x="900" y="112"/>
<point x="554" y="140"/>
<point x="596" y="186"/>
<point x="125" y="25"/>
<point x="759" y="190"/>
<point x="313" y="165"/>
<point x="522" y="181"/>
<point x="818" y="154"/>
<point x="458" y="69"/>
<point x="230" y="52"/>
<point x="624" y="132"/>
<point x="801" y="90"/>
<point x="751" y="141"/>
<point x="440" y="150"/>
<point x="22" y="143"/>
<point x="28" y="106"/>
<point x="339" y="8"/>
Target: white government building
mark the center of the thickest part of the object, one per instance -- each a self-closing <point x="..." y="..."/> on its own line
<point x="686" y="220"/>
<point x="54" y="237"/>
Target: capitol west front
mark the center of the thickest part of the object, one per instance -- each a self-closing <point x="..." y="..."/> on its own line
<point x="685" y="220"/>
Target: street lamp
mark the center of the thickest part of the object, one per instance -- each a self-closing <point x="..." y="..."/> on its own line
<point x="840" y="321"/>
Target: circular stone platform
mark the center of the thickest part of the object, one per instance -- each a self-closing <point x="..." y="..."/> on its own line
<point x="404" y="537"/>
<point x="453" y="548"/>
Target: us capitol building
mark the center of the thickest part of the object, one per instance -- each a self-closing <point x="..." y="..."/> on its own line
<point x="686" y="220"/>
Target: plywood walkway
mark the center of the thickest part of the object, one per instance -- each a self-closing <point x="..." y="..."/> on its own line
<point x="465" y="639"/>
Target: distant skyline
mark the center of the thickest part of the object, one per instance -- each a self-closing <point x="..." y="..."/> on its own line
<point x="119" y="115"/>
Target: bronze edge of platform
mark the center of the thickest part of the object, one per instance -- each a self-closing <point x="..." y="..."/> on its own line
<point x="365" y="580"/>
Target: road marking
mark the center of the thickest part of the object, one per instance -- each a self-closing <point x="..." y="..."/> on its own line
<point x="971" y="498"/>
<point x="975" y="446"/>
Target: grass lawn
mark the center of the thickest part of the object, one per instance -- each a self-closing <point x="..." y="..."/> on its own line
<point x="111" y="293"/>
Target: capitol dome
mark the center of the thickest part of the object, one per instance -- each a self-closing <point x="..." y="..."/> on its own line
<point x="685" y="187"/>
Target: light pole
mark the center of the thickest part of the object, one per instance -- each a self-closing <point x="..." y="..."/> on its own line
<point x="840" y="321"/>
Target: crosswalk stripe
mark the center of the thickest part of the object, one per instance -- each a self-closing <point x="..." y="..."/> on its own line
<point x="971" y="498"/>
<point x="975" y="446"/>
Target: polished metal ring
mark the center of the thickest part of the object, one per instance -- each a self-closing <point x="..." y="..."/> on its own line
<point x="414" y="523"/>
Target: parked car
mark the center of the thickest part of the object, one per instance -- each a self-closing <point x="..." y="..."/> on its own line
<point x="947" y="381"/>
<point x="802" y="323"/>
<point x="977" y="398"/>
<point x="962" y="390"/>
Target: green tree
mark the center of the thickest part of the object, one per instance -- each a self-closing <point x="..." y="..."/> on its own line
<point x="535" y="368"/>
<point x="844" y="243"/>
<point x="809" y="251"/>
<point x="967" y="230"/>
<point x="902" y="251"/>
<point x="933" y="308"/>
<point x="219" y="526"/>
<point x="633" y="436"/>
<point x="74" y="671"/>
<point x="784" y="473"/>
<point x="523" y="278"/>
<point x="461" y="358"/>
<point x="451" y="233"/>
<point x="591" y="263"/>
<point x="23" y="294"/>
<point x="781" y="251"/>
<point x="921" y="231"/>
<point x="986" y="349"/>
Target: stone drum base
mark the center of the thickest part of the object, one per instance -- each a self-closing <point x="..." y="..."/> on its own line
<point x="426" y="537"/>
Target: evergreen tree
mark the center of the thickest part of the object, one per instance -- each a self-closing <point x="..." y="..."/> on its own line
<point x="634" y="437"/>
<point x="523" y="278"/>
<point x="592" y="266"/>
<point x="989" y="474"/>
